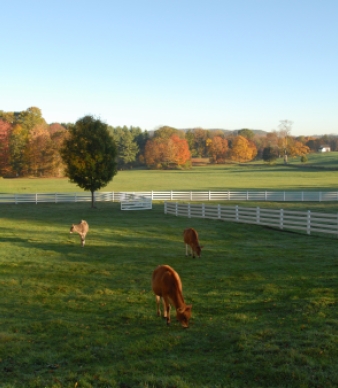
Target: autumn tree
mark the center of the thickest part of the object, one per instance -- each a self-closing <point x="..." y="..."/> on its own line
<point x="180" y="150"/>
<point x="39" y="151"/>
<point x="243" y="150"/>
<point x="89" y="154"/>
<point x="58" y="134"/>
<point x="30" y="118"/>
<point x="200" y="142"/>
<point x="297" y="148"/>
<point x="172" y="152"/>
<point x="218" y="149"/>
<point x="154" y="153"/>
<point x="17" y="149"/>
<point x="5" y="131"/>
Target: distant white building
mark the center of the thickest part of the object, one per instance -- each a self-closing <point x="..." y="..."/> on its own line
<point x="324" y="149"/>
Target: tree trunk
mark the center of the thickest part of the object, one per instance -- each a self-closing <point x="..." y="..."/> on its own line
<point x="93" y="199"/>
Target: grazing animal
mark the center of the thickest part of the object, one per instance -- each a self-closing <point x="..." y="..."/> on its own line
<point x="167" y="285"/>
<point x="82" y="229"/>
<point x="190" y="237"/>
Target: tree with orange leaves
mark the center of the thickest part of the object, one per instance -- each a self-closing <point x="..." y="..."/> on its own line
<point x="171" y="152"/>
<point x="218" y="149"/>
<point x="5" y="130"/>
<point x="297" y="148"/>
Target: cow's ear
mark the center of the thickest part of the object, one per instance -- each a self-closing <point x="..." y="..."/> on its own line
<point x="188" y="307"/>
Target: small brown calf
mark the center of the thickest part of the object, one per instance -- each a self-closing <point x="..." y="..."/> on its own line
<point x="190" y="237"/>
<point x="82" y="229"/>
<point x="167" y="285"/>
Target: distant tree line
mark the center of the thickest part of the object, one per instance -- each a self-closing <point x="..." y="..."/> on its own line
<point x="31" y="147"/>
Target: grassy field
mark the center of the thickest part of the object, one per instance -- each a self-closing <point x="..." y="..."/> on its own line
<point x="264" y="302"/>
<point x="213" y="177"/>
<point x="329" y="159"/>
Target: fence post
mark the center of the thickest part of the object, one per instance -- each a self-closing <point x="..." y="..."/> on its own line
<point x="209" y="196"/>
<point x="189" y="211"/>
<point x="36" y="198"/>
<point x="228" y="195"/>
<point x="237" y="215"/>
<point x="219" y="213"/>
<point x="284" y="196"/>
<point x="281" y="220"/>
<point x="266" y="196"/>
<point x="165" y="208"/>
<point x="308" y="223"/>
<point x="203" y="210"/>
<point x="176" y="209"/>
<point x="190" y="195"/>
<point x="258" y="215"/>
<point x="247" y="195"/>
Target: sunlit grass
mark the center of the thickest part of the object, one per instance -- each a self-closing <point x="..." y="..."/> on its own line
<point x="264" y="302"/>
<point x="212" y="177"/>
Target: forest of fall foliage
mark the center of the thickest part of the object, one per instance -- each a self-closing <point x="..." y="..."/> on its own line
<point x="29" y="146"/>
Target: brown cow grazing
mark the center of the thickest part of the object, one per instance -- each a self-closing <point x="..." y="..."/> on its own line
<point x="190" y="237"/>
<point x="82" y="229"/>
<point x="167" y="285"/>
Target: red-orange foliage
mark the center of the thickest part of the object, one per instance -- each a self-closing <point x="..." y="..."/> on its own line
<point x="218" y="149"/>
<point x="161" y="152"/>
<point x="5" y="130"/>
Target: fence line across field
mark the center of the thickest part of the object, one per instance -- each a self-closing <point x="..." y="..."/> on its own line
<point x="226" y="195"/>
<point x="306" y="221"/>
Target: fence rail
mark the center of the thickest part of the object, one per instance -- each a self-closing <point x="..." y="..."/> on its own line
<point x="306" y="221"/>
<point x="268" y="196"/>
<point x="135" y="202"/>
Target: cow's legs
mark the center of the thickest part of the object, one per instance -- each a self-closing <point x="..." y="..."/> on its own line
<point x="158" y="309"/>
<point x="187" y="250"/>
<point x="166" y="312"/>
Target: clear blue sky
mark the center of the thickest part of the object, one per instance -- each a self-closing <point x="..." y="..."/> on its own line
<point x="227" y="64"/>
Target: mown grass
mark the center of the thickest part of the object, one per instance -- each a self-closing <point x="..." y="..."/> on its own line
<point x="212" y="177"/>
<point x="328" y="159"/>
<point x="264" y="302"/>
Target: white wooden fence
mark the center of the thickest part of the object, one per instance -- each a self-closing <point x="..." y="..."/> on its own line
<point x="269" y="196"/>
<point x="307" y="221"/>
<point x="135" y="202"/>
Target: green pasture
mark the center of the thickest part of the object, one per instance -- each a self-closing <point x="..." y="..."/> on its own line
<point x="323" y="160"/>
<point x="264" y="302"/>
<point x="211" y="177"/>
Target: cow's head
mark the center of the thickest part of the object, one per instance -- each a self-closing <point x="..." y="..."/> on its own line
<point x="198" y="250"/>
<point x="183" y="315"/>
<point x="72" y="229"/>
